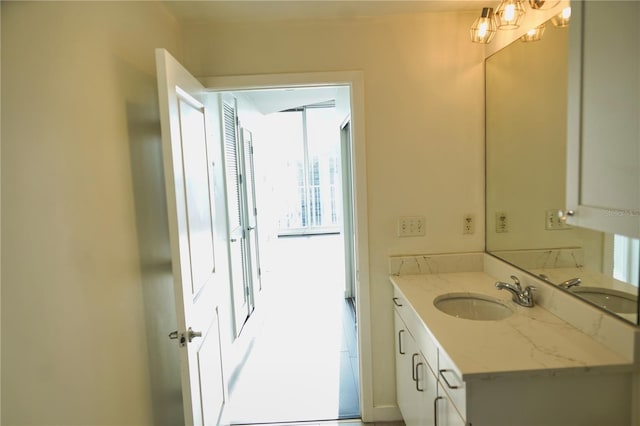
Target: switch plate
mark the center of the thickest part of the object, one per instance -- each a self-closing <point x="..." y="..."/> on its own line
<point x="411" y="226"/>
<point x="468" y="224"/>
<point x="553" y="222"/>
<point x="502" y="222"/>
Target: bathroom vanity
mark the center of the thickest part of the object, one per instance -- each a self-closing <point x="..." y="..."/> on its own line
<point x="528" y="368"/>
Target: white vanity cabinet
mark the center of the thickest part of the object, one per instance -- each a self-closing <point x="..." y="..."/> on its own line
<point x="496" y="378"/>
<point x="603" y="136"/>
<point x="416" y="383"/>
<point x="421" y="399"/>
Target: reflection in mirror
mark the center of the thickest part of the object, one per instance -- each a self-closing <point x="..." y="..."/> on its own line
<point x="526" y="109"/>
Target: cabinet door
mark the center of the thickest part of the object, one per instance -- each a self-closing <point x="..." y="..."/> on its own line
<point x="406" y="354"/>
<point x="427" y="386"/>
<point x="446" y="413"/>
<point x="603" y="136"/>
<point x="416" y="383"/>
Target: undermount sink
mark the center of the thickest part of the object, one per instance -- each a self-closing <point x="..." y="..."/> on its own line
<point x="472" y="306"/>
<point x="612" y="300"/>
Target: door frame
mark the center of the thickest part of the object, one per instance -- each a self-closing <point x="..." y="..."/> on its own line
<point x="355" y="81"/>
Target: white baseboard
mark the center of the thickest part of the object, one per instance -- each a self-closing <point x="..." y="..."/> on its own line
<point x="383" y="413"/>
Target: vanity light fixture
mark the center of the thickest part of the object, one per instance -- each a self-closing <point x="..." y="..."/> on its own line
<point x="536" y="4"/>
<point x="543" y="4"/>
<point x="534" y="34"/>
<point x="484" y="27"/>
<point x="509" y="14"/>
<point x="561" y="20"/>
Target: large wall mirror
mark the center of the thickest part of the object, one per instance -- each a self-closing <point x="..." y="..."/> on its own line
<point x="526" y="111"/>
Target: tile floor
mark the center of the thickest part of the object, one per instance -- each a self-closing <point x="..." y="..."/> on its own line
<point x="303" y="363"/>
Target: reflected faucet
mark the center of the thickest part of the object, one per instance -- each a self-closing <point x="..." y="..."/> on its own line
<point x="565" y="284"/>
<point x="570" y="283"/>
<point x="520" y="296"/>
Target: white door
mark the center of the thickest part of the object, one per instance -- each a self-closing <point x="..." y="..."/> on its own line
<point x="189" y="186"/>
<point x="251" y="211"/>
<point x="348" y="228"/>
<point x="240" y="275"/>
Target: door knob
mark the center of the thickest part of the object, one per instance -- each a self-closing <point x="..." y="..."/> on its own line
<point x="563" y="214"/>
<point x="191" y="334"/>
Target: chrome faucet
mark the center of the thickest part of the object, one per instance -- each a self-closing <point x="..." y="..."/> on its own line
<point x="570" y="283"/>
<point x="520" y="296"/>
<point x="565" y="284"/>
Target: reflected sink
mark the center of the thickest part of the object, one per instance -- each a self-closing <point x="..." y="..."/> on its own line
<point x="472" y="306"/>
<point x="612" y="300"/>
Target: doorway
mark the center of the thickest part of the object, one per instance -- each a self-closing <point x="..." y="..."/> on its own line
<point x="302" y="361"/>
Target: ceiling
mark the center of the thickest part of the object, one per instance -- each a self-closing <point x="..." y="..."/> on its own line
<point x="268" y="101"/>
<point x="274" y="10"/>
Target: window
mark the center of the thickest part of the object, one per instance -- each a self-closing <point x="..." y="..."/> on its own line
<point x="309" y="138"/>
<point x="626" y="259"/>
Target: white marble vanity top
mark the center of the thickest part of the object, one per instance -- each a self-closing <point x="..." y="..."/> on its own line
<point x="531" y="341"/>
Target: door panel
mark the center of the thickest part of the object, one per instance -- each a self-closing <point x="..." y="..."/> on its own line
<point x="189" y="188"/>
<point x="210" y="363"/>
<point x="197" y="192"/>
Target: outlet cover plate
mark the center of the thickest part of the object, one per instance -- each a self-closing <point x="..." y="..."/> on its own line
<point x="411" y="226"/>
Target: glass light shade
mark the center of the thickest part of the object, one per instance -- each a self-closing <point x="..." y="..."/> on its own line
<point x="509" y="14"/>
<point x="534" y="34"/>
<point x="562" y="19"/>
<point x="484" y="27"/>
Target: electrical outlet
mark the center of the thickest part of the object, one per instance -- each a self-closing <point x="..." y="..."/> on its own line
<point x="502" y="222"/>
<point x="469" y="224"/>
<point x="553" y="221"/>
<point x="411" y="226"/>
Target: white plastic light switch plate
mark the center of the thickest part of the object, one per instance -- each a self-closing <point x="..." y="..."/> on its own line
<point x="411" y="226"/>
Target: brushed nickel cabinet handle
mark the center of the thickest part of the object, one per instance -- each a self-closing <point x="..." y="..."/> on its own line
<point x="449" y="385"/>
<point x="400" y="342"/>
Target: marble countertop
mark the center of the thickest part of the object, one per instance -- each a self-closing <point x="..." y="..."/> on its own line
<point x="531" y="341"/>
<point x="591" y="279"/>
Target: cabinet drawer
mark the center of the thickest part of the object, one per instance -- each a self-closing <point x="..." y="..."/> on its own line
<point x="418" y="330"/>
<point x="452" y="383"/>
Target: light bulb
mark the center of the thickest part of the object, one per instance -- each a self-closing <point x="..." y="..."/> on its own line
<point x="534" y="34"/>
<point x="562" y="19"/>
<point x="509" y="14"/>
<point x="484" y="27"/>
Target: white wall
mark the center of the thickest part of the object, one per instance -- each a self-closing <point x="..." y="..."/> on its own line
<point x="86" y="277"/>
<point x="424" y="127"/>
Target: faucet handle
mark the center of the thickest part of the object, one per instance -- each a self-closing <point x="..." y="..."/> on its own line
<point x="516" y="281"/>
<point x="526" y="296"/>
